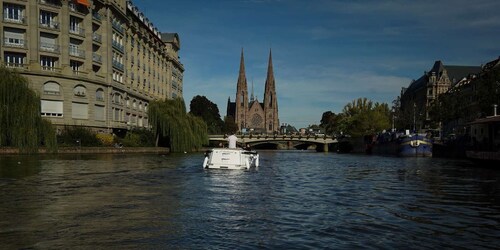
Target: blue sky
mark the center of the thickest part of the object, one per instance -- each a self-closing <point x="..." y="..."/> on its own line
<point x="325" y="53"/>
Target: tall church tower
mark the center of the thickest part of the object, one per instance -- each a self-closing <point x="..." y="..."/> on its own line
<point x="270" y="100"/>
<point x="241" y="97"/>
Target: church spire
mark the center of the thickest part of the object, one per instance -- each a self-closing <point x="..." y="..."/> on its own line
<point x="270" y="100"/>
<point x="241" y="96"/>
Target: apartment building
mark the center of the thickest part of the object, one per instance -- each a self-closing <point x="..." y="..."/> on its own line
<point x="95" y="63"/>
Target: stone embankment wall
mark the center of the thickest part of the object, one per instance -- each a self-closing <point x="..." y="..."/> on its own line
<point x="96" y="150"/>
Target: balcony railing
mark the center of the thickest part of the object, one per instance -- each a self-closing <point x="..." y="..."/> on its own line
<point x="14" y="43"/>
<point x="96" y="16"/>
<point x="77" y="30"/>
<point x="118" y="65"/>
<point x="97" y="38"/>
<point x="51" y="25"/>
<point x="20" y="20"/>
<point x="76" y="52"/>
<point x="118" y="46"/>
<point x="96" y="57"/>
<point x="50" y="47"/>
<point x="75" y="8"/>
<point x="16" y="65"/>
<point x="52" y="3"/>
<point x="117" y="26"/>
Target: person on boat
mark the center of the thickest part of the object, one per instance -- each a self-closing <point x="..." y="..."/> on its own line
<point x="232" y="140"/>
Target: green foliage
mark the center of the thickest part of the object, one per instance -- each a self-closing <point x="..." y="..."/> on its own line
<point x="78" y="136"/>
<point x="229" y="125"/>
<point x="20" y="123"/>
<point x="359" y="117"/>
<point x="185" y="132"/>
<point x="202" y="107"/>
<point x="139" y="138"/>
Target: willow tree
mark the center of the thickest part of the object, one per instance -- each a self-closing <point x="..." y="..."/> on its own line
<point x="185" y="132"/>
<point x="20" y="123"/>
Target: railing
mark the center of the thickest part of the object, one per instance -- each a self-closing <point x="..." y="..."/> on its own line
<point x="20" y="20"/>
<point x="14" y="43"/>
<point x="76" y="52"/>
<point x="51" y="25"/>
<point x="96" y="57"/>
<point x="118" y="46"/>
<point x="96" y="16"/>
<point x="118" y="65"/>
<point x="50" y="47"/>
<point x="50" y="68"/>
<point x="77" y="30"/>
<point x="96" y="37"/>
<point x="117" y="26"/>
<point x="16" y="65"/>
<point x="52" y="3"/>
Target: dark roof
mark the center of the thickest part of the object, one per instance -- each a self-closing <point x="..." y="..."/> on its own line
<point x="231" y="108"/>
<point x="455" y="74"/>
<point x="171" y="38"/>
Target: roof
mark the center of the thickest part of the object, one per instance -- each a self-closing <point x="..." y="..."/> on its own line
<point x="171" y="38"/>
<point x="455" y="74"/>
<point x="490" y="119"/>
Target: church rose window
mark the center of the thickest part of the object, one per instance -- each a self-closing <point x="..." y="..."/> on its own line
<point x="256" y="120"/>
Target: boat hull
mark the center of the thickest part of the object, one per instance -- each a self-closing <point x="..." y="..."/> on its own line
<point x="226" y="158"/>
<point x="415" y="145"/>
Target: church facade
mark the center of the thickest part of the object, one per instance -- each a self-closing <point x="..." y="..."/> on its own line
<point x="249" y="114"/>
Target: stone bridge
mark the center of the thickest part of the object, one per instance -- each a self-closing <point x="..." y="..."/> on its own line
<point x="321" y="142"/>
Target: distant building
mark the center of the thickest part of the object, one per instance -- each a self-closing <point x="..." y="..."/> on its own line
<point x="95" y="63"/>
<point x="261" y="117"/>
<point x="417" y="98"/>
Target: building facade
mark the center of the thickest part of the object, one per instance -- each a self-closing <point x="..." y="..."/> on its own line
<point x="249" y="114"/>
<point x="95" y="63"/>
<point x="418" y="97"/>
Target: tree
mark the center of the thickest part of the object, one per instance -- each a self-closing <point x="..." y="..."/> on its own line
<point x="21" y="125"/>
<point x="208" y="111"/>
<point x="185" y="132"/>
<point x="362" y="117"/>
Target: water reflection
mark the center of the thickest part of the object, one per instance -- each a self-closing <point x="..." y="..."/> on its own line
<point x="295" y="199"/>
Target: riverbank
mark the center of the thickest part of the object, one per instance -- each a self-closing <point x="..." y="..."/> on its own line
<point x="95" y="150"/>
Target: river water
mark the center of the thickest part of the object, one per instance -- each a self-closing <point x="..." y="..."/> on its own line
<point x="294" y="200"/>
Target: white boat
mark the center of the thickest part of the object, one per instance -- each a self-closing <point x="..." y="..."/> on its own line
<point x="230" y="158"/>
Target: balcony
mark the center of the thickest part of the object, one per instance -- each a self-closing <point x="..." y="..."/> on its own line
<point x="77" y="30"/>
<point x="117" y="26"/>
<point x="17" y="20"/>
<point x="16" y="65"/>
<point x="96" y="16"/>
<point x="74" y="51"/>
<point x="96" y="58"/>
<point x="76" y="8"/>
<point x="14" y="43"/>
<point x="49" y="25"/>
<point x="50" y="47"/>
<point x="51" y="3"/>
<point x="96" y="38"/>
<point x="118" y="65"/>
<point x="118" y="46"/>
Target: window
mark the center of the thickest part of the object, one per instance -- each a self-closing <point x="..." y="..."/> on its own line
<point x="79" y="110"/>
<point x="52" y="108"/>
<point x="74" y="25"/>
<point x="47" y="19"/>
<point x="13" y="12"/>
<point x="14" y="37"/>
<point x="99" y="95"/>
<point x="80" y="91"/>
<point x="48" y="42"/>
<point x="117" y="98"/>
<point x="48" y="62"/>
<point x="76" y="66"/>
<point x="74" y="48"/>
<point x="51" y="88"/>
<point x="12" y="59"/>
<point x="99" y="113"/>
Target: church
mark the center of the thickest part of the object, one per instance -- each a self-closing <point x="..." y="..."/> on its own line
<point x="249" y="114"/>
